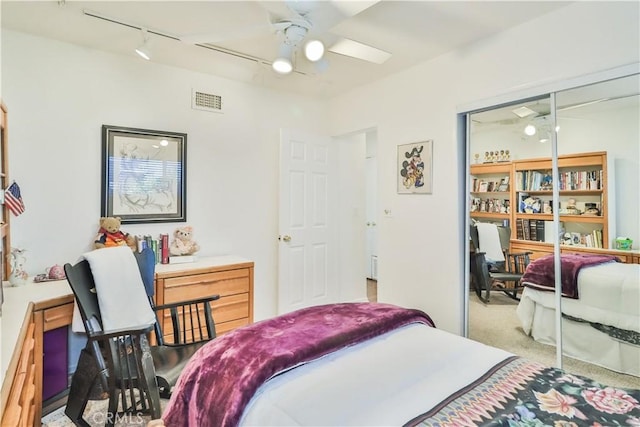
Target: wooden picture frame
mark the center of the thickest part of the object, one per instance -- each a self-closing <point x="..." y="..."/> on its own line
<point x="143" y="175"/>
<point x="415" y="168"/>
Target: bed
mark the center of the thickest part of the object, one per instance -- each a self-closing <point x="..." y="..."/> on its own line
<point x="600" y="306"/>
<point x="365" y="364"/>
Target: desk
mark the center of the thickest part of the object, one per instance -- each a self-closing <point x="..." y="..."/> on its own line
<point x="31" y="310"/>
<point x="27" y="313"/>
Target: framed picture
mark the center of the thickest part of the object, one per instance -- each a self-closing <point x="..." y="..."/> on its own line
<point x="143" y="175"/>
<point x="415" y="168"/>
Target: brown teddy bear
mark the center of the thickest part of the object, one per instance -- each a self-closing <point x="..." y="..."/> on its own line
<point x="183" y="243"/>
<point x="110" y="234"/>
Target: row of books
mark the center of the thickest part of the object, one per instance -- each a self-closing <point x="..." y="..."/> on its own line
<point x="483" y="186"/>
<point x="582" y="180"/>
<point x="533" y="229"/>
<point x="532" y="180"/>
<point x="589" y="240"/>
<point x="160" y="246"/>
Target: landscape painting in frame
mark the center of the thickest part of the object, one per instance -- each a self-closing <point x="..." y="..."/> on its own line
<point x="143" y="175"/>
<point x="415" y="167"/>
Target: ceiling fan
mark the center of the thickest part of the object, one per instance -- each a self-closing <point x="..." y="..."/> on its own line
<point x="300" y="25"/>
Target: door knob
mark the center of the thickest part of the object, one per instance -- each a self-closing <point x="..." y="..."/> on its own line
<point x="286" y="238"/>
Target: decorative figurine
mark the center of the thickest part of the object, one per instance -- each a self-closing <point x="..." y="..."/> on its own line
<point x="18" y="259"/>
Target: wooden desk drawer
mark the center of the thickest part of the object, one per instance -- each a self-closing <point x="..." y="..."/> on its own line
<point x="223" y="310"/>
<point x="224" y="327"/>
<point x="56" y="317"/>
<point x="231" y="308"/>
<point x="196" y="286"/>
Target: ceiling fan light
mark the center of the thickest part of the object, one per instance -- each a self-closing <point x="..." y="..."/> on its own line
<point x="314" y="50"/>
<point x="282" y="65"/>
<point x="530" y="130"/>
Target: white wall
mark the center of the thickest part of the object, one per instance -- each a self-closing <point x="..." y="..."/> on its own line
<point x="352" y="217"/>
<point x="59" y="95"/>
<point x="421" y="245"/>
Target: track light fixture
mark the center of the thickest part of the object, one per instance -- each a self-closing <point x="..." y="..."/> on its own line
<point x="143" y="49"/>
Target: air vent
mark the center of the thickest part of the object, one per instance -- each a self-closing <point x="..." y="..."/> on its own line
<point x="206" y="101"/>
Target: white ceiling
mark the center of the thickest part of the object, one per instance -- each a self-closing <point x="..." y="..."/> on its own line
<point x="412" y="31"/>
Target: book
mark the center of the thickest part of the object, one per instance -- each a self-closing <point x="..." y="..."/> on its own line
<point x="540" y="236"/>
<point x="504" y="184"/>
<point x="164" y="238"/>
<point x="519" y="229"/>
<point x="181" y="259"/>
<point x="526" y="230"/>
<point x="533" y="229"/>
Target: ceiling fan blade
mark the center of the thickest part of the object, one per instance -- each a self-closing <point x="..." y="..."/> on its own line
<point x="352" y="8"/>
<point x="280" y="26"/>
<point x="239" y="33"/>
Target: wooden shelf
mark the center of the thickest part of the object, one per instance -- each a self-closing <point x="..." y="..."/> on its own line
<point x="491" y="192"/>
<point x="562" y="192"/>
<point x="491" y="168"/>
<point x="496" y="215"/>
<point x="596" y="219"/>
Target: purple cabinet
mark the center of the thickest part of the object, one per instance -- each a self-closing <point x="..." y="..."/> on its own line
<point x="55" y="362"/>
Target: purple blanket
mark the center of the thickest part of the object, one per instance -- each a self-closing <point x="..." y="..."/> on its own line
<point x="221" y="378"/>
<point x="540" y="272"/>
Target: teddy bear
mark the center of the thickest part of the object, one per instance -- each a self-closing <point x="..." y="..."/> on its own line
<point x="110" y="234"/>
<point x="183" y="243"/>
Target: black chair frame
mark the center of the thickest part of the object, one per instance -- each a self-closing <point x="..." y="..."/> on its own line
<point x="122" y="363"/>
<point x="497" y="276"/>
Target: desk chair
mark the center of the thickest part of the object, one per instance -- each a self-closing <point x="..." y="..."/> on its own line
<point x="493" y="267"/>
<point x="121" y="362"/>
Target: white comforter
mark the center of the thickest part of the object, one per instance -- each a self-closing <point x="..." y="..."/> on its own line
<point x="608" y="294"/>
<point x="404" y="373"/>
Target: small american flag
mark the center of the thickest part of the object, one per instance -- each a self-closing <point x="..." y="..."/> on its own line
<point x="13" y="199"/>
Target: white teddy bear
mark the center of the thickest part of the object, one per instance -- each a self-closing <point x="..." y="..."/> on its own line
<point x="182" y="243"/>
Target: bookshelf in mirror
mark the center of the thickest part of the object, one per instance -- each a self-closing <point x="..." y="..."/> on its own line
<point x="519" y="193"/>
<point x="491" y="191"/>
<point x="582" y="200"/>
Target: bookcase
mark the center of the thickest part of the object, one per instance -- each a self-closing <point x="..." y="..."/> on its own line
<point x="491" y="192"/>
<point x="582" y="200"/>
<point x="5" y="217"/>
<point x="519" y="193"/>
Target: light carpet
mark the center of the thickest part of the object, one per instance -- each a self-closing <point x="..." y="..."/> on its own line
<point x="497" y="324"/>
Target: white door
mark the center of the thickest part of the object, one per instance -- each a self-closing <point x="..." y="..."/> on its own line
<point x="308" y="264"/>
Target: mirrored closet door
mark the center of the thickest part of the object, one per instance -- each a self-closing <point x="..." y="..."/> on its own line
<point x="578" y="200"/>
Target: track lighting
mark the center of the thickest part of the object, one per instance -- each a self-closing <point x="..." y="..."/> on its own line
<point x="313" y="50"/>
<point x="143" y="49"/>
